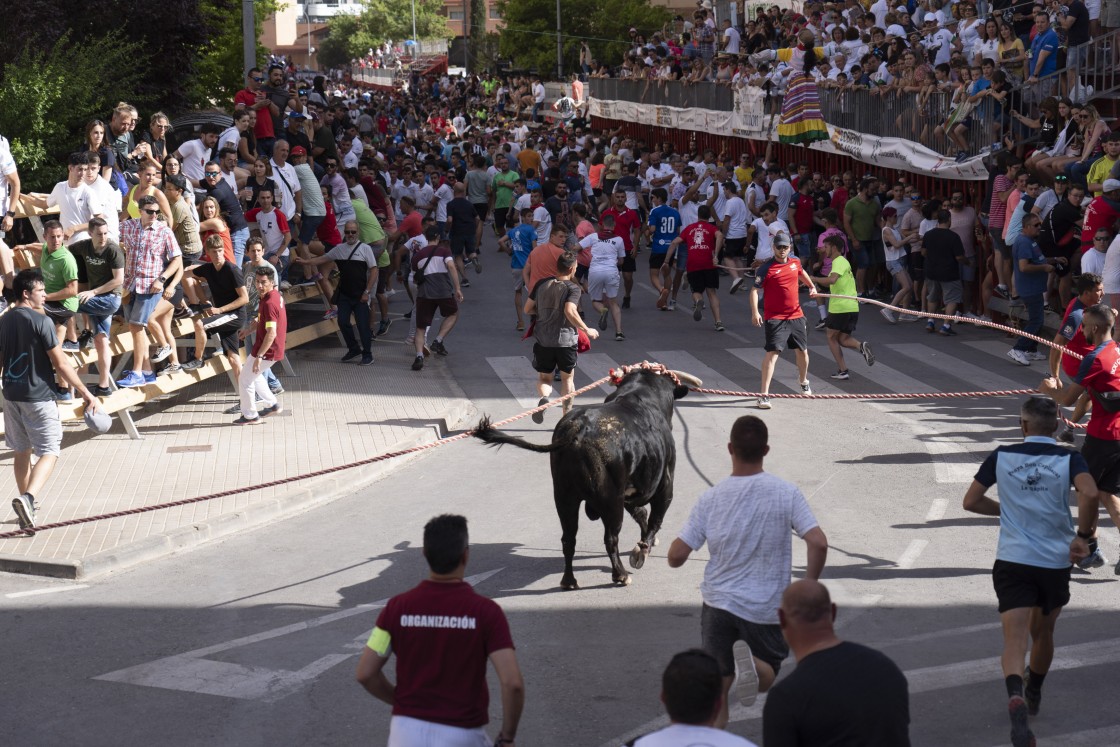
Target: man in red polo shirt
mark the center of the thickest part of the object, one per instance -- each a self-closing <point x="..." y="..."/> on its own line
<point x="268" y="348"/>
<point x="778" y="278"/>
<point x="627" y="225"/>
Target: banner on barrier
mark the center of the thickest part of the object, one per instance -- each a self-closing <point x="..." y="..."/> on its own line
<point x="751" y="119"/>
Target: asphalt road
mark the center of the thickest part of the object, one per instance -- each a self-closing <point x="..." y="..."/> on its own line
<point x="253" y="640"/>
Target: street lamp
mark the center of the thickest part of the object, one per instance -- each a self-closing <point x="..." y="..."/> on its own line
<point x="414" y="22"/>
<point x="307" y="17"/>
<point x="559" y="46"/>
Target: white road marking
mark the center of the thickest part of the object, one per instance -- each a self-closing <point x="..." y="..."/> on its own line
<point x="951" y="463"/>
<point x="785" y="372"/>
<point x="38" y="592"/>
<point x="946" y="362"/>
<point x="937" y="509"/>
<point x="192" y="672"/>
<point x="888" y="378"/>
<point x="517" y="373"/>
<point x="910" y="554"/>
<point x="684" y="361"/>
<point x="597" y="365"/>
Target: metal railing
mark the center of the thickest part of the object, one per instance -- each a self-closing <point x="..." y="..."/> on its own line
<point x="1095" y="64"/>
<point x="373" y="76"/>
<point x="703" y="95"/>
<point x="427" y="46"/>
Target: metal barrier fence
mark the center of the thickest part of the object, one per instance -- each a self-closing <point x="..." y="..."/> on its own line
<point x="702" y="95"/>
<point x="373" y="76"/>
<point x="1092" y="69"/>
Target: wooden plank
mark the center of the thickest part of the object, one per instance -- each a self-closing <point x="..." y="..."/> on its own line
<point x="23" y="210"/>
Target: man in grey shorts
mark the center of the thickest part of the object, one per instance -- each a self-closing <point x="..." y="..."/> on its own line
<point x="30" y="355"/>
<point x="746" y="521"/>
<point x="944" y="253"/>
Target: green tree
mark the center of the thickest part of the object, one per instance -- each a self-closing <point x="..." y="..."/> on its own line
<point x="529" y="36"/>
<point x="219" y="71"/>
<point x="350" y="37"/>
<point x="48" y="95"/>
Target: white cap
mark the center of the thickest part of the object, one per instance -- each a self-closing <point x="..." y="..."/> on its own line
<point x="1110" y="185"/>
<point x="99" y="422"/>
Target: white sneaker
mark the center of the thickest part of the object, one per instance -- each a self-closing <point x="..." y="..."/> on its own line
<point x="745" y="686"/>
<point x="805" y="388"/>
<point x="1038" y="356"/>
<point x="162" y="354"/>
<point x="1019" y="357"/>
<point x="889" y="316"/>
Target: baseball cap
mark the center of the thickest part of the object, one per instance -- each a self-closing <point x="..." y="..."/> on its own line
<point x="299" y="150"/>
<point x="99" y="422"/>
<point x="297" y="115"/>
<point x="781" y="238"/>
<point x="1110" y="185"/>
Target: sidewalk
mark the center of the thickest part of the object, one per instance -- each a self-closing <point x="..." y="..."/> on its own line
<point x="335" y="413"/>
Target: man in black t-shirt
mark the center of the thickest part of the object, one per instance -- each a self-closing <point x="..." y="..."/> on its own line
<point x="808" y="707"/>
<point x="104" y="261"/>
<point x="943" y="251"/>
<point x="225" y="314"/>
<point x="463" y="226"/>
<point x="234" y="216"/>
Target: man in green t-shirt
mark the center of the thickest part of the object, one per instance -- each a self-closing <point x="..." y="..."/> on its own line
<point x="501" y="194"/>
<point x="843" y="313"/>
<point x="861" y="223"/>
<point x="60" y="280"/>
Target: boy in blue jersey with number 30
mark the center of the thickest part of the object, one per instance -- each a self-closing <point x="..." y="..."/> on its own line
<point x="664" y="226"/>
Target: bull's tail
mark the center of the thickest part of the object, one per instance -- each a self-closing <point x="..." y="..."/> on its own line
<point x="485" y="432"/>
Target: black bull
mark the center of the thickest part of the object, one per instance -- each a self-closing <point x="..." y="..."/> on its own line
<point x="612" y="456"/>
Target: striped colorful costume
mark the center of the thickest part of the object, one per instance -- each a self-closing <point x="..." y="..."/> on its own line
<point x="801" y="120"/>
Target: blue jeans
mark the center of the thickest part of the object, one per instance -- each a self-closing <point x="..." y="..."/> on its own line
<point x="101" y="309"/>
<point x="803" y="244"/>
<point x="1036" y="312"/>
<point x="360" y="310"/>
<point x="239" y="238"/>
<point x="1079" y="172"/>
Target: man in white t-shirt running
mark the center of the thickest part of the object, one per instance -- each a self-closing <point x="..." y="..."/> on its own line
<point x="746" y="521"/>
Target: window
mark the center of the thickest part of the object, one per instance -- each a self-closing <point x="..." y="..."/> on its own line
<point x="455" y="15"/>
<point x="495" y="14"/>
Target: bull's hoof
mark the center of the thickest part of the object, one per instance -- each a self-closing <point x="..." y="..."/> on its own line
<point x="569" y="584"/>
<point x="623" y="580"/>
<point x="638" y="556"/>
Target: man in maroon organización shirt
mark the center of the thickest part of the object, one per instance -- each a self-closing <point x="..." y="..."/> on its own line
<point x="443" y="632"/>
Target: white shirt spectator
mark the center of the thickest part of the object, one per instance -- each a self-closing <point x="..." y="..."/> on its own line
<point x="109" y="200"/>
<point x="76" y="205"/>
<point x="940" y="42"/>
<point x="7" y="168"/>
<point x="766" y="234"/>
<point x="287" y="184"/>
<point x="731" y="36"/>
<point x="605" y="253"/>
<point x="880" y="10"/>
<point x="735" y="210"/>
<point x="232" y="138"/>
<point x="444" y="195"/>
<point x="272" y="232"/>
<point x="538" y="92"/>
<point x="781" y="192"/>
<point x="543" y="220"/>
<point x="195" y="157"/>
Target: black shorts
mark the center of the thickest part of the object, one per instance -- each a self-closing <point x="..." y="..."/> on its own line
<point x="547" y="360"/>
<point x="656" y="260"/>
<point x="1103" y="458"/>
<point x="702" y="280"/>
<point x="500" y="216"/>
<point x="843" y="322"/>
<point x="1019" y="586"/>
<point x="581" y="273"/>
<point x="719" y="629"/>
<point x="735" y="248"/>
<point x="481" y="209"/>
<point x="462" y="245"/>
<point x="383" y="274"/>
<point x="786" y="333"/>
<point x="57" y="313"/>
<point x="227" y="334"/>
<point x="426" y="310"/>
<point x="629" y="264"/>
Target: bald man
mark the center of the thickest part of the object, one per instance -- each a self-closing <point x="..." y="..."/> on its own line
<point x="841" y="693"/>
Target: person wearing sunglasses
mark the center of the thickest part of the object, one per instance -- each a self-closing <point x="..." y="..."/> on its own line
<point x="252" y="97"/>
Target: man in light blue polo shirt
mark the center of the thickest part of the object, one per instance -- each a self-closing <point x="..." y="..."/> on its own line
<point x="1036" y="546"/>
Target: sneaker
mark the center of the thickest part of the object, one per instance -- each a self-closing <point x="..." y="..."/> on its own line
<point x="1095" y="559"/>
<point x="69" y="346"/>
<point x="663" y="299"/>
<point x="889" y="315"/>
<point x="619" y="337"/>
<point x="427" y="352"/>
<point x="736" y="284"/>
<point x="764" y="403"/>
<point x="672" y="304"/>
<point x="162" y="354"/>
<point x="331" y="313"/>
<point x="840" y="376"/>
<point x="438" y="348"/>
<point x="1019" y="357"/>
<point x="603" y="319"/>
<point x="351" y="355"/>
<point x="182" y="312"/>
<point x="131" y="380"/>
<point x="820" y="325"/>
<point x="1033" y="697"/>
<point x="745" y="685"/>
<point x="521" y="326"/>
<point x="100" y="391"/>
<point x="719" y="327"/>
<point x="478" y="265"/>
<point x="464" y="283"/>
<point x="865" y="351"/>
<point x="85" y="340"/>
<point x="217" y="320"/>
<point x="1066" y="436"/>
<point x="247" y="421"/>
<point x="930" y="326"/>
<point x="285" y="286"/>
<point x="232" y="410"/>
<point x="274" y="410"/>
<point x="149" y="377"/>
<point x="1000" y="291"/>
<point x="192" y="365"/>
<point x="63" y="395"/>
<point x="947" y="331"/>
<point x="748" y="273"/>
<point x="276" y="388"/>
<point x="805" y="388"/>
<point x="626" y="302"/>
<point x="1021" y="734"/>
<point x="24" y="506"/>
<point x="170" y="369"/>
<point x="909" y="318"/>
<point x="418" y="363"/>
<point x="307" y="281"/>
<point x="383" y="327"/>
<point x="1038" y="355"/>
<point x="367" y="360"/>
<point x="538" y="417"/>
<point x="698" y="310"/>
<point x="407" y="314"/>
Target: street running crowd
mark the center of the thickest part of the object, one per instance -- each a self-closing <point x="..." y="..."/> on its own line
<point x="397" y="191"/>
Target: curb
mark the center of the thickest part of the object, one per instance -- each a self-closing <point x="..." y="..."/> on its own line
<point x="314" y="494"/>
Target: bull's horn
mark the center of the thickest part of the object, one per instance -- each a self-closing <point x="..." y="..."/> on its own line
<point x="687" y="378"/>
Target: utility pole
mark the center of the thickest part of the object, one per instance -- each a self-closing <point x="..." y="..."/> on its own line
<point x="559" y="46"/>
<point x="248" y="35"/>
<point x="414" y="22"/>
<point x="466" y="39"/>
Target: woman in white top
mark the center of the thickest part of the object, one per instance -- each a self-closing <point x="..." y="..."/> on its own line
<point x="895" y="249"/>
<point x="985" y="45"/>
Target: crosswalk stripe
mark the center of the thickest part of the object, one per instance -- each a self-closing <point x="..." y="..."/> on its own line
<point x="785" y="373"/>
<point x="596" y="366"/>
<point x="516" y="372"/>
<point x="684" y="361"/>
<point x="978" y="377"/>
<point x="890" y="379"/>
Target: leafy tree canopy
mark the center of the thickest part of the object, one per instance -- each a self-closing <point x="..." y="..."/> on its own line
<point x="350" y="37"/>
